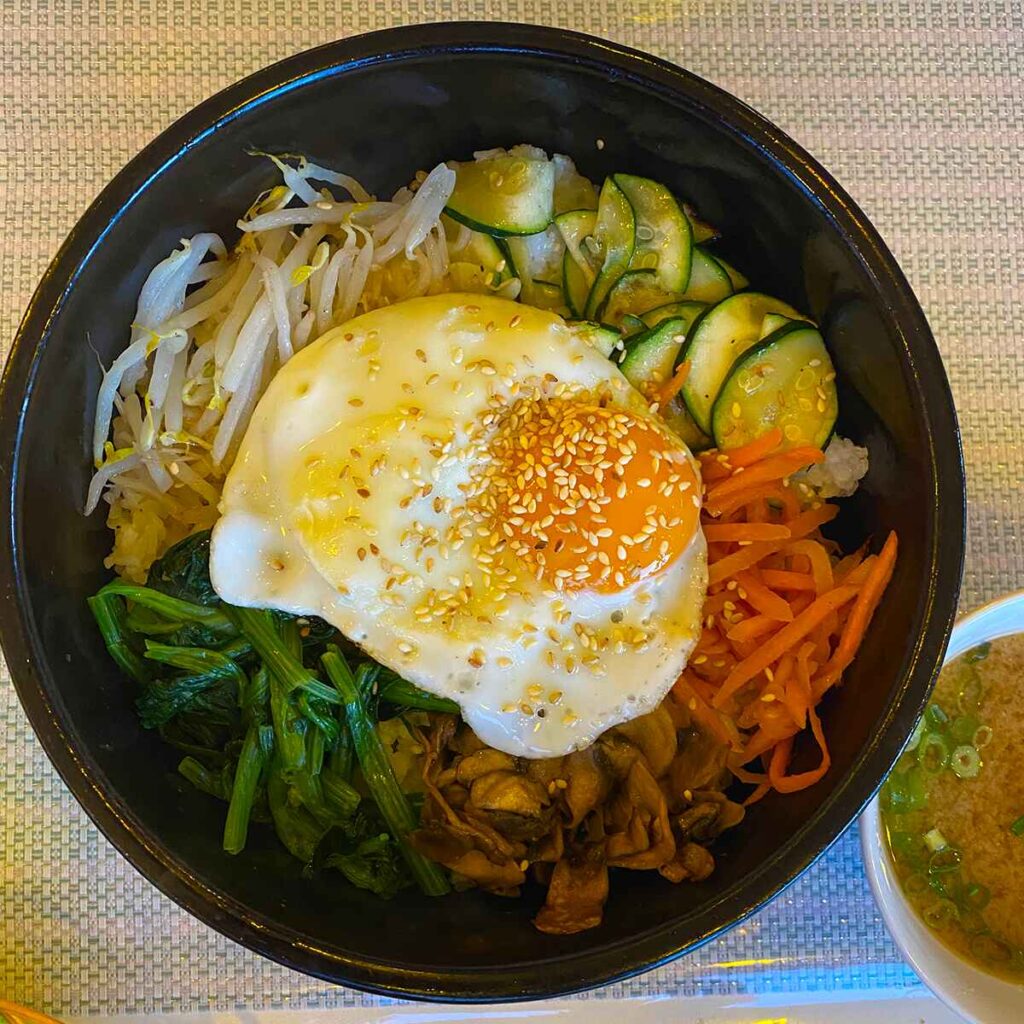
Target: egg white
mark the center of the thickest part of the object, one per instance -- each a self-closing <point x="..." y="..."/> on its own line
<point x="338" y="503"/>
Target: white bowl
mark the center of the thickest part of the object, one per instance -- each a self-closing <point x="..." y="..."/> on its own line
<point x="971" y="992"/>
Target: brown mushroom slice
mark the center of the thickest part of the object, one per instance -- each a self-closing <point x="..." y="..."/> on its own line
<point x="699" y="763"/>
<point x="515" y="805"/>
<point x="654" y="735"/>
<point x="577" y="894"/>
<point x="483" y="762"/>
<point x="649" y="820"/>
<point x="691" y="862"/>
<point x="457" y="854"/>
<point x="587" y="783"/>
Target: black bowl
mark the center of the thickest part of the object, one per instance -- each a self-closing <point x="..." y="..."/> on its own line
<point x="384" y="105"/>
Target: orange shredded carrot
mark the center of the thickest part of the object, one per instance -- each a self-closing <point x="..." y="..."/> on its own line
<point x="782" y="641"/>
<point x="761" y="599"/>
<point x="752" y="628"/>
<point x="784" y="783"/>
<point x="799" y="526"/>
<point x="725" y="532"/>
<point x="860" y="616"/>
<point x="673" y="385"/>
<point x="775" y="467"/>
<point x="783" y="579"/>
<point x="820" y="563"/>
<point x="754" y="451"/>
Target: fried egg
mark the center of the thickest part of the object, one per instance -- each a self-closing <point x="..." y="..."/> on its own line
<point x="479" y="499"/>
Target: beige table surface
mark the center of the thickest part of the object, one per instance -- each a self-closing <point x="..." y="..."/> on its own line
<point x="917" y="106"/>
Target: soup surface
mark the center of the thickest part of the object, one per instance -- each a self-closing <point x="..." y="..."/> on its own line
<point x="954" y="809"/>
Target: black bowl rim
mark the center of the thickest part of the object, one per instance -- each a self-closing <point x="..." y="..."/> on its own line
<point x="565" y="974"/>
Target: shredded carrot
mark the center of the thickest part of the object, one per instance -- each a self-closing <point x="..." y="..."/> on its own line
<point x="784" y="783"/>
<point x="775" y="467"/>
<point x="860" y="616"/>
<point x="820" y="563"/>
<point x="785" y="613"/>
<point x="761" y="599"/>
<point x="752" y="628"/>
<point x="673" y="385"/>
<point x="741" y="532"/>
<point x="754" y="451"/>
<point x="786" y="638"/>
<point x="801" y="525"/>
<point x="782" y="579"/>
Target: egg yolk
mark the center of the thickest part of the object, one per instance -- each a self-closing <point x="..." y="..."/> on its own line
<point x="588" y="495"/>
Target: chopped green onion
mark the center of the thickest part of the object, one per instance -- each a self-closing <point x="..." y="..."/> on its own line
<point x="1017" y="828"/>
<point x="976" y="896"/>
<point x="940" y="913"/>
<point x="971" y="921"/>
<point x="979" y="653"/>
<point x="915" y="736"/>
<point x="933" y="753"/>
<point x="936" y="718"/>
<point x="990" y="949"/>
<point x="907" y="792"/>
<point x="982" y="737"/>
<point x="965" y="762"/>
<point x="963" y="728"/>
<point x="945" y="860"/>
<point x="904" y="844"/>
<point x="935" y="840"/>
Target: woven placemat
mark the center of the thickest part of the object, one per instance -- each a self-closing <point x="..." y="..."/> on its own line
<point x="915" y="105"/>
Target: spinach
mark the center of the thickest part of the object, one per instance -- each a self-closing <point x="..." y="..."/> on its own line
<point x="242" y="692"/>
<point x="184" y="571"/>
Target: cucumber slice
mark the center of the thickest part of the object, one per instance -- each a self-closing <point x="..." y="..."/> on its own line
<point x="503" y="195"/>
<point x="648" y="362"/>
<point x="708" y="281"/>
<point x="771" y="323"/>
<point x="785" y="381"/>
<point x="716" y="340"/>
<point x="572" y="190"/>
<point x="736" y="279"/>
<point x="664" y="242"/>
<point x="688" y="311"/>
<point x="579" y="264"/>
<point x="636" y="292"/>
<point x="701" y="230"/>
<point x="615" y="236"/>
<point x="537" y="258"/>
<point x="631" y="325"/>
<point x="597" y="336"/>
<point x="545" y="295"/>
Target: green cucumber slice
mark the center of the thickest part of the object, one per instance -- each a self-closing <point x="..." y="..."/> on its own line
<point x="664" y="242"/>
<point x="708" y="280"/>
<point x="537" y="258"/>
<point x="688" y="311"/>
<point x="597" y="336"/>
<point x="785" y="381"/>
<point x="736" y="279"/>
<point x="503" y="195"/>
<point x="615" y="237"/>
<point x="771" y="323"/>
<point x="579" y="264"/>
<point x="716" y="340"/>
<point x="648" y="361"/>
<point x="636" y="292"/>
